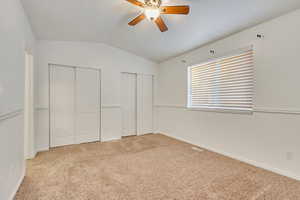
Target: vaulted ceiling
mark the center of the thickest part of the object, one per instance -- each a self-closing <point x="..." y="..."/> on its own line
<point x="106" y="21"/>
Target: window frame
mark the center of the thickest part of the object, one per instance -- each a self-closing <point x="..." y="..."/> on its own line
<point x="189" y="105"/>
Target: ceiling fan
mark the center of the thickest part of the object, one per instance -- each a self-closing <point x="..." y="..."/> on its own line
<point x="153" y="10"/>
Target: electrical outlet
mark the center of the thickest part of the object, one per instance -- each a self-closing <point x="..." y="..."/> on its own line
<point x="289" y="155"/>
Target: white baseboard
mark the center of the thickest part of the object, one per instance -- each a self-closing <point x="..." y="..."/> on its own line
<point x="18" y="184"/>
<point x="46" y="148"/>
<point x="110" y="139"/>
<point x="32" y="155"/>
<point x="41" y="149"/>
<point x="240" y="158"/>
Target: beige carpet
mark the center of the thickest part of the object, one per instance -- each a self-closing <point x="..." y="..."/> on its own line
<point x="151" y="167"/>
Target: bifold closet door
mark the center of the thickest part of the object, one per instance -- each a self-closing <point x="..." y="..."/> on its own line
<point x="62" y="107"/>
<point x="87" y="105"/>
<point x="74" y="105"/>
<point x="147" y="104"/>
<point x="129" y="104"/>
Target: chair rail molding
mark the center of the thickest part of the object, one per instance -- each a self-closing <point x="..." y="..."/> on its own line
<point x="11" y="114"/>
<point x="255" y="110"/>
<point x="111" y="106"/>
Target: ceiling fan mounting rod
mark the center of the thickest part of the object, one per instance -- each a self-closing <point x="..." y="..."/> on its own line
<point x="153" y="3"/>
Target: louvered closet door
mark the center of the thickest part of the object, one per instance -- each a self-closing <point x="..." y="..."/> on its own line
<point x="129" y="104"/>
<point x="87" y="105"/>
<point x="62" y="127"/>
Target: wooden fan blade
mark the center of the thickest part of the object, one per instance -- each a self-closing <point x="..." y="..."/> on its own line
<point x="137" y="3"/>
<point x="161" y="24"/>
<point x="137" y="20"/>
<point x="181" y="10"/>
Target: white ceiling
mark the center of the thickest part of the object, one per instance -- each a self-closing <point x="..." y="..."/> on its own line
<point x="106" y="21"/>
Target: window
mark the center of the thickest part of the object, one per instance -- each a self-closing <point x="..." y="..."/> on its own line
<point x="223" y="84"/>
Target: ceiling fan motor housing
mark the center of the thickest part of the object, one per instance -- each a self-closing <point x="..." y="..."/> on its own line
<point x="153" y="3"/>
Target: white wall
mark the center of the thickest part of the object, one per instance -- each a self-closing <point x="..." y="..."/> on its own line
<point x="112" y="62"/>
<point x="15" y="37"/>
<point x="269" y="138"/>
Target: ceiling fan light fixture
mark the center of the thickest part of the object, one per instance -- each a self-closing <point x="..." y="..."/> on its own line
<point x="152" y="13"/>
<point x="153" y="10"/>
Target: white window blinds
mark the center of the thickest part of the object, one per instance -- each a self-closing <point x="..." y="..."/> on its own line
<point x="225" y="83"/>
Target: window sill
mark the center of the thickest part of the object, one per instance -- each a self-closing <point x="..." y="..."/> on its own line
<point x="220" y="110"/>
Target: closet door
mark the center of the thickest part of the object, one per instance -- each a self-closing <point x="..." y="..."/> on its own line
<point x="129" y="104"/>
<point x="147" y="104"/>
<point x="87" y="105"/>
<point x="62" y="82"/>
